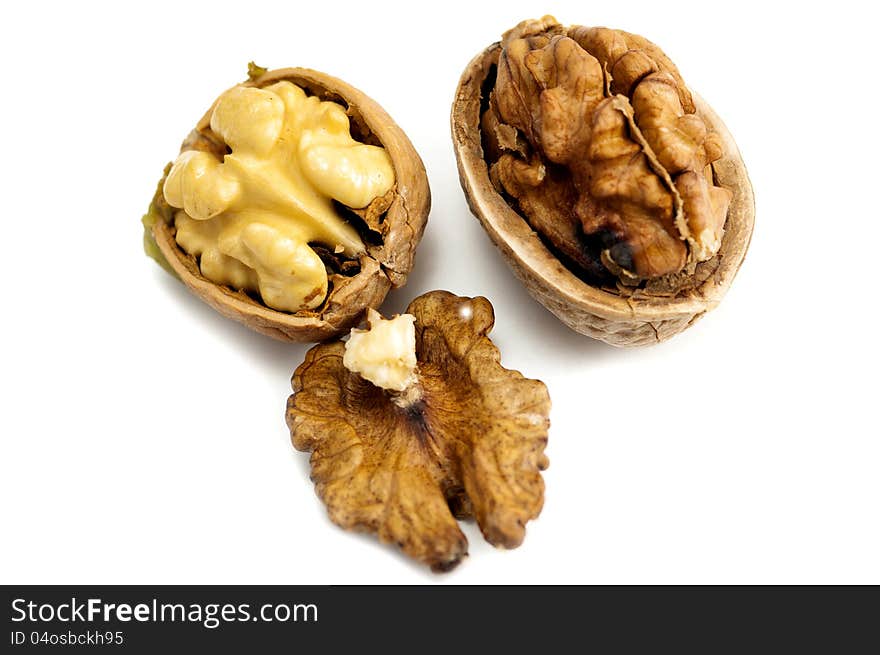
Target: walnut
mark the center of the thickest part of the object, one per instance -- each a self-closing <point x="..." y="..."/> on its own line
<point x="295" y="205"/>
<point x="460" y="437"/>
<point x="583" y="146"/>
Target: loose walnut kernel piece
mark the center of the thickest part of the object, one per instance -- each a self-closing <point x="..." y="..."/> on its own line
<point x="386" y="353"/>
<point x="469" y="442"/>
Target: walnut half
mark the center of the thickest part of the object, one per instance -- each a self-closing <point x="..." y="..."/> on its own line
<point x="615" y="193"/>
<point x="462" y="437"/>
<point x="295" y="205"/>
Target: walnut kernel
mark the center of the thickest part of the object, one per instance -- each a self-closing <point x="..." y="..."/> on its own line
<point x="465" y="438"/>
<point x="296" y="204"/>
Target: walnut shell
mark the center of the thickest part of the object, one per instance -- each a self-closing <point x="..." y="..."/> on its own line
<point x="395" y="223"/>
<point x="621" y="316"/>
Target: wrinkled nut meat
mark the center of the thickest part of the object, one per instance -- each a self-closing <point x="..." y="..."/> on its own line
<point x="295" y="205"/>
<point x="616" y="195"/>
<point x="446" y="434"/>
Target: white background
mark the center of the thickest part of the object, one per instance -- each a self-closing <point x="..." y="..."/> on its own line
<point x="143" y="436"/>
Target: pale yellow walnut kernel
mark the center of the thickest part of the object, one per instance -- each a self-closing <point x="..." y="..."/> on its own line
<point x="249" y="219"/>
<point x="385" y="354"/>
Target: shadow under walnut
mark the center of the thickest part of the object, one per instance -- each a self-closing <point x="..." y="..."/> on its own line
<point x="619" y="319"/>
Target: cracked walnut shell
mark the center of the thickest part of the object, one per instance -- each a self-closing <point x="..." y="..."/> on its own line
<point x="369" y="250"/>
<point x="465" y="440"/>
<point x="616" y="195"/>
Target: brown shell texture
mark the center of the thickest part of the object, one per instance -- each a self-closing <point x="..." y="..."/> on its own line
<point x="472" y="445"/>
<point x="395" y="221"/>
<point x="615" y="194"/>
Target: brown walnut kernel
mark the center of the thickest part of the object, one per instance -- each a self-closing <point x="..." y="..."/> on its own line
<point x="466" y="440"/>
<point x="600" y="171"/>
<point x="595" y="137"/>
